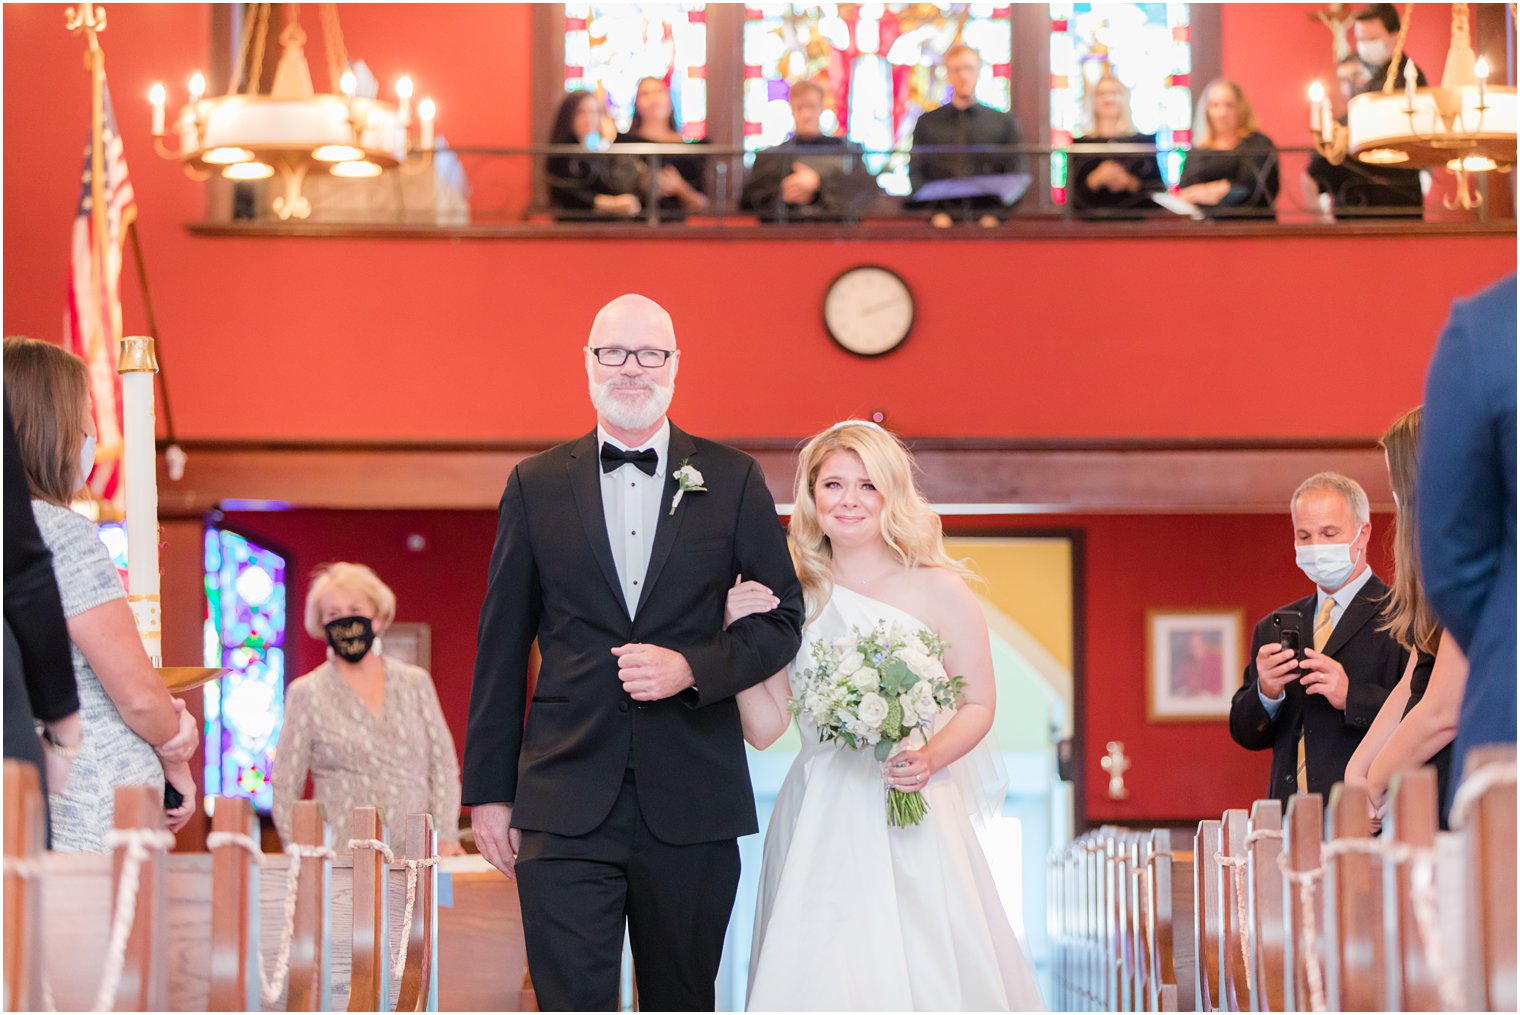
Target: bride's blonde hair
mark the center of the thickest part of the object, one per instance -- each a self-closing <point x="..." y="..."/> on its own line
<point x="909" y="526"/>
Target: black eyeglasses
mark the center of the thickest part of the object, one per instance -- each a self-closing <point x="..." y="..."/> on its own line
<point x="611" y="356"/>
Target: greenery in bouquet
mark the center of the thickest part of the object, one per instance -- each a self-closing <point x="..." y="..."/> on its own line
<point x="876" y="688"/>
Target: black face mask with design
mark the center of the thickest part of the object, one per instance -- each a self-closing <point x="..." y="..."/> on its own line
<point x="350" y="637"/>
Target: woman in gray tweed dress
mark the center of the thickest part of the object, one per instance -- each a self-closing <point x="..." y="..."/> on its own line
<point x="134" y="733"/>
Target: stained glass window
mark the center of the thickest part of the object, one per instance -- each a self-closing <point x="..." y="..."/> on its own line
<point x="1146" y="46"/>
<point x="245" y="633"/>
<point x="114" y="535"/>
<point x="880" y="65"/>
<point x="609" y="48"/>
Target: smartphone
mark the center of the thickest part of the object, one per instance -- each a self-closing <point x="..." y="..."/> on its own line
<point x="1288" y="626"/>
<point x="173" y="798"/>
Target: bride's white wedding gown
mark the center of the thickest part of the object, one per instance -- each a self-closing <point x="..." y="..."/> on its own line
<point x="856" y="916"/>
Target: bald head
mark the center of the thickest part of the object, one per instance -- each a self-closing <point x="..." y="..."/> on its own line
<point x="631" y="364"/>
<point x="632" y="321"/>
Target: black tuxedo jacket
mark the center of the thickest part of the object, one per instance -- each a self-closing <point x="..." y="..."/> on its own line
<point x="1373" y="661"/>
<point x="553" y="579"/>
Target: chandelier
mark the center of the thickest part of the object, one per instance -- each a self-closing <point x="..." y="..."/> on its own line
<point x="1465" y="125"/>
<point x="292" y="130"/>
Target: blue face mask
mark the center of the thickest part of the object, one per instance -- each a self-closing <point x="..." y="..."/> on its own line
<point x="1327" y="565"/>
<point x="86" y="459"/>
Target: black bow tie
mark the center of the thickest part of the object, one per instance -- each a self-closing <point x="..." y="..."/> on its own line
<point x="645" y="461"/>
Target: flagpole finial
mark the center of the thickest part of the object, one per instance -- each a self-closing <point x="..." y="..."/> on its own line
<point x="86" y="18"/>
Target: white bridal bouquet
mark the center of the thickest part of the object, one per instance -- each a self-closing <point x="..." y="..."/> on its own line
<point x="874" y="688"/>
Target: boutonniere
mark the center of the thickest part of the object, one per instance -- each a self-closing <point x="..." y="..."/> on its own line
<point x="688" y="480"/>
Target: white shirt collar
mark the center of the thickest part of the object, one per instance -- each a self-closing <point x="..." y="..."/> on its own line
<point x="660" y="442"/>
<point x="1344" y="595"/>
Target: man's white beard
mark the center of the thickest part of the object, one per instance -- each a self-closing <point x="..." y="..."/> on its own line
<point x="637" y="406"/>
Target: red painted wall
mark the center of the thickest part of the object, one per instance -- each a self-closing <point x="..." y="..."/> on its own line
<point x="1132" y="564"/>
<point x="449" y="339"/>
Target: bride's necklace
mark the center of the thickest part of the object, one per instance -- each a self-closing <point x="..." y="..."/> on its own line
<point x="863" y="582"/>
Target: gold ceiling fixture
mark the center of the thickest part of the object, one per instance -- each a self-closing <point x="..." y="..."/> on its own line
<point x="1464" y="125"/>
<point x="293" y="129"/>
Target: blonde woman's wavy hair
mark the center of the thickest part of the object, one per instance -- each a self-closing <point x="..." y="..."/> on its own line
<point x="908" y="525"/>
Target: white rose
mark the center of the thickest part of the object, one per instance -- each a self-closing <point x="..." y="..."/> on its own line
<point x="873" y="710"/>
<point x="921" y="663"/>
<point x="865" y="679"/>
<point x="924" y="705"/>
<point x="849" y="664"/>
<point x="815" y="705"/>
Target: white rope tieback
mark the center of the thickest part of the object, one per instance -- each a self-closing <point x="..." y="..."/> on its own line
<point x="216" y="840"/>
<point x="1237" y="865"/>
<point x="272" y="986"/>
<point x="1475" y="785"/>
<point x="137" y="842"/>
<point x="398" y="964"/>
<point x="412" y="867"/>
<point x="1263" y="833"/>
<point x="25" y="868"/>
<point x="1307" y="883"/>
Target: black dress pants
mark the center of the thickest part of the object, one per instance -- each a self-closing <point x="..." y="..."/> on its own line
<point x="577" y="893"/>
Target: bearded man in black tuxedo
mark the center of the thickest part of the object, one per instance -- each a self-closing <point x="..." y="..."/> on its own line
<point x="617" y="794"/>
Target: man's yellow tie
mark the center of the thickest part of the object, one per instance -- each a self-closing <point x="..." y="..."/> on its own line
<point x="1322" y="628"/>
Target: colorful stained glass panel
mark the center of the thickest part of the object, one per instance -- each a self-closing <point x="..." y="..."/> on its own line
<point x="609" y="48"/>
<point x="1146" y="46"/>
<point x="244" y="632"/>
<point x="880" y="65"/>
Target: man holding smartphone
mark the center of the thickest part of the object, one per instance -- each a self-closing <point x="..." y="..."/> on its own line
<point x="1320" y="667"/>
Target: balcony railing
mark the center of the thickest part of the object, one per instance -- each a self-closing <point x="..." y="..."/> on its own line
<point x="517" y="187"/>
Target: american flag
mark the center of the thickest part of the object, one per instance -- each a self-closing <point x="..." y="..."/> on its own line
<point x="94" y="310"/>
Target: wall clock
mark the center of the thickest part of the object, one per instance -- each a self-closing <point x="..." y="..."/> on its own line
<point x="868" y="310"/>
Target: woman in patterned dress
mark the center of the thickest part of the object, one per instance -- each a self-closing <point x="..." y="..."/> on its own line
<point x="366" y="727"/>
<point x="134" y="733"/>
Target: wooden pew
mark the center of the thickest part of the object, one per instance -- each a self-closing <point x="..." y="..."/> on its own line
<point x="1485" y="811"/>
<point x="1303" y="903"/>
<point x="1230" y="885"/>
<point x="1169" y="925"/>
<point x="80" y="900"/>
<point x="1410" y="825"/>
<point x="1206" y="979"/>
<point x="1264" y="905"/>
<point x="1137" y="852"/>
<point x="1355" y="964"/>
<point x="25" y="838"/>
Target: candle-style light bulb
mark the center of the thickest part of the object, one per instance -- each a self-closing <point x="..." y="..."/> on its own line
<point x="1411" y="82"/>
<point x="348" y="84"/>
<point x="1481" y="68"/>
<point x="404" y="103"/>
<point x="197" y="86"/>
<point x="427" y="110"/>
<point x="1316" y="92"/>
<point x="156" y="98"/>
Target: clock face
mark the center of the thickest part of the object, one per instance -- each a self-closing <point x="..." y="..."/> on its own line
<point x="868" y="310"/>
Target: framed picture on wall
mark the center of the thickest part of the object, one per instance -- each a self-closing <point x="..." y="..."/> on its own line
<point x="411" y="643"/>
<point x="1193" y="663"/>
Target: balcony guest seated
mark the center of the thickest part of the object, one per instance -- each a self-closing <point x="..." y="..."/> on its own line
<point x="812" y="176"/>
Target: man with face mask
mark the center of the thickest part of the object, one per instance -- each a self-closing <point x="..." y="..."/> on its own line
<point x="1313" y="714"/>
<point x="619" y="801"/>
<point x="1356" y="189"/>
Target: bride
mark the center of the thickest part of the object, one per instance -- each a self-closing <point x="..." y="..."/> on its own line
<point x="854" y="915"/>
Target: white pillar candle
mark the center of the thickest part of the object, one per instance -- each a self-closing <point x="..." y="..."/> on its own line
<point x="140" y="475"/>
<point x="1316" y="106"/>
